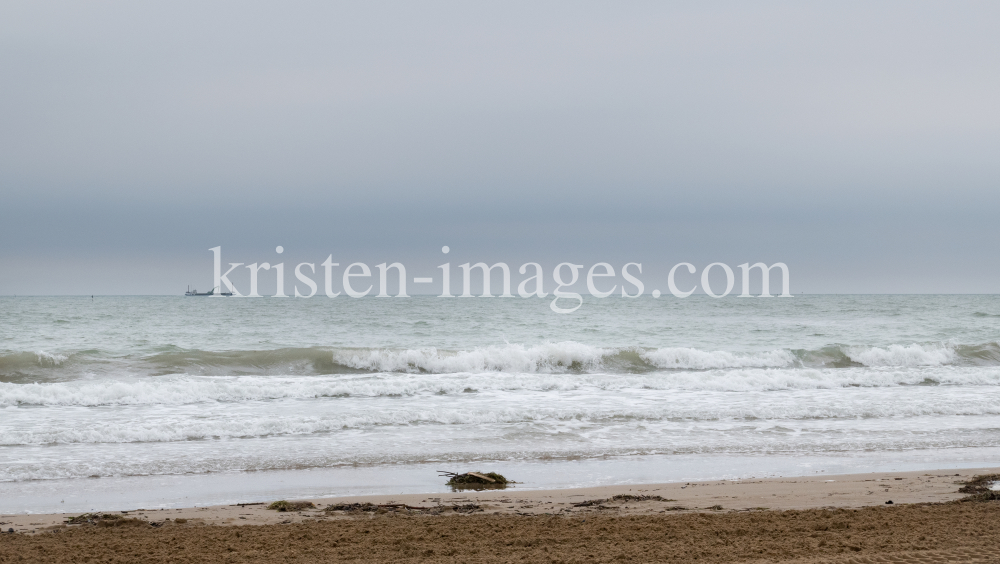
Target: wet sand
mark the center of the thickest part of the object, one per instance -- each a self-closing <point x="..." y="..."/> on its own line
<point x="834" y="518"/>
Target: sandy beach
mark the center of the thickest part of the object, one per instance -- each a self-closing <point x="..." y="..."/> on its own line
<point x="826" y="518"/>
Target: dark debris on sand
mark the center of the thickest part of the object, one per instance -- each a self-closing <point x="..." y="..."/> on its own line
<point x="106" y="520"/>
<point x="291" y="505"/>
<point x="621" y="498"/>
<point x="979" y="488"/>
<point x="476" y="480"/>
<point x="401" y="507"/>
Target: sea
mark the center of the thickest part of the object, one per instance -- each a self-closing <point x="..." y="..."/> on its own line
<point x="149" y="402"/>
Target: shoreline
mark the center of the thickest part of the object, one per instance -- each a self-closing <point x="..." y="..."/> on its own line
<point x="175" y="491"/>
<point x="844" y="491"/>
<point x="842" y="519"/>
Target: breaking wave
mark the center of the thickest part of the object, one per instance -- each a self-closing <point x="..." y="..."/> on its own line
<point x="18" y="361"/>
<point x="552" y="357"/>
<point x="694" y="359"/>
<point x="547" y="358"/>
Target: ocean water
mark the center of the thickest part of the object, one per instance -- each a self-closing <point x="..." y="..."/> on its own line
<point x="174" y="400"/>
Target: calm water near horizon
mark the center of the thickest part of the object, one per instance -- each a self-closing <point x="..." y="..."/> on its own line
<point x="181" y="401"/>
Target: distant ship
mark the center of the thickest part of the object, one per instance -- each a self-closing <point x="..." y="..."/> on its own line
<point x="211" y="292"/>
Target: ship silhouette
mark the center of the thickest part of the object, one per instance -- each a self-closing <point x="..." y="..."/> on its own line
<point x="211" y="292"/>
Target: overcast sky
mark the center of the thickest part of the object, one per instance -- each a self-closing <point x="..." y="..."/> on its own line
<point x="857" y="142"/>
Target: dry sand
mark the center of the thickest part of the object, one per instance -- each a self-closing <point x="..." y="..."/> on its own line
<point x="826" y="518"/>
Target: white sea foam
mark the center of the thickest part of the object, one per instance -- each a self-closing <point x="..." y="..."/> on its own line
<point x="50" y="359"/>
<point x="178" y="390"/>
<point x="899" y="355"/>
<point x="569" y="356"/>
<point x="688" y="358"/>
<point x="548" y="357"/>
<point x="555" y="357"/>
<point x="583" y="413"/>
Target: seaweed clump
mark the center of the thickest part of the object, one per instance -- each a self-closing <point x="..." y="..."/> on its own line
<point x="92" y="518"/>
<point x="476" y="480"/>
<point x="621" y="498"/>
<point x="369" y="507"/>
<point x="401" y="507"/>
<point x="980" y="488"/>
<point x="630" y="497"/>
<point x="291" y="505"/>
<point x="106" y="520"/>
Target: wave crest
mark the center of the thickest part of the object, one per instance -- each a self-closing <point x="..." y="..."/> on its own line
<point x="546" y="358"/>
<point x="898" y="355"/>
<point x="549" y="357"/>
<point x="695" y="359"/>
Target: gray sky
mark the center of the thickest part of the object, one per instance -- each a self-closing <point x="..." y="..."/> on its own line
<point x="857" y="142"/>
